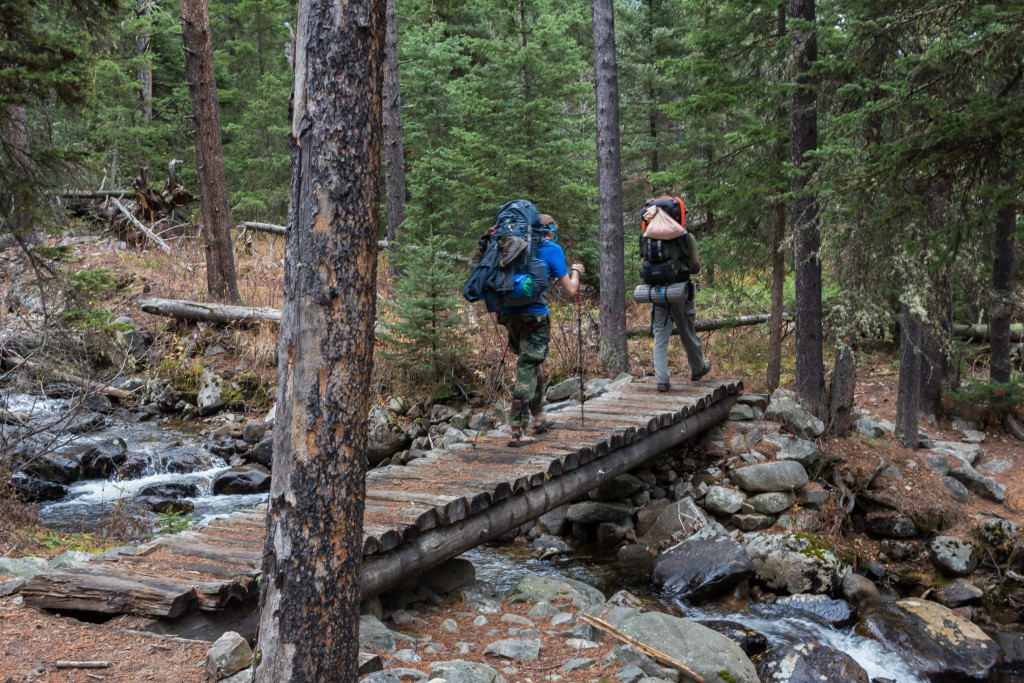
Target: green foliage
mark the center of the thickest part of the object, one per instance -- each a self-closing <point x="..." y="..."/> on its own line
<point x="171" y="522"/>
<point x="424" y="328"/>
<point x="978" y="398"/>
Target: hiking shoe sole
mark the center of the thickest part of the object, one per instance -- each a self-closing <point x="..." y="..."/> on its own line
<point x="664" y="387"/>
<point x="705" y="369"/>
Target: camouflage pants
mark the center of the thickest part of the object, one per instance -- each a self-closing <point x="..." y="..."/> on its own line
<point x="528" y="337"/>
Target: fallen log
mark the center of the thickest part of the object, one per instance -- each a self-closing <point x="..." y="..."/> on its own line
<point x="980" y="332"/>
<point x="93" y="194"/>
<point x="656" y="655"/>
<point x="82" y="665"/>
<point x="712" y="324"/>
<point x="141" y="226"/>
<point x="97" y="387"/>
<point x="381" y="244"/>
<point x="212" y="313"/>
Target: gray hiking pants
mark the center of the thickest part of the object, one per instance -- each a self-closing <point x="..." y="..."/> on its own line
<point x="684" y="314"/>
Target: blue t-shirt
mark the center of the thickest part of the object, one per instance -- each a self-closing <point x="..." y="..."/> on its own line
<point x="554" y="258"/>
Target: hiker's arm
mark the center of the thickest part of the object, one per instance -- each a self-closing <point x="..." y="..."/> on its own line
<point x="570" y="282"/>
<point x="693" y="263"/>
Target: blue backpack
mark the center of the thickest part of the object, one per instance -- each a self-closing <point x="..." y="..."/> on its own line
<point x="505" y="270"/>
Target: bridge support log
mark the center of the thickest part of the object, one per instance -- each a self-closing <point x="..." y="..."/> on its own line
<point x="386" y="570"/>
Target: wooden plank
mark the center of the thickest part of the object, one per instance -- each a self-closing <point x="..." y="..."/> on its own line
<point x="186" y="545"/>
<point x="425" y="517"/>
<point x="125" y="592"/>
<point x="217" y="571"/>
<point x="450" y="509"/>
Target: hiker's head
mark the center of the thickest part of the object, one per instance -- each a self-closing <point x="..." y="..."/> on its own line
<point x="549" y="229"/>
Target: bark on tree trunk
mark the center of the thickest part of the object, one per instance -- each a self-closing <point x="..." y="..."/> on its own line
<point x="202" y="94"/>
<point x="810" y="369"/>
<point x="1002" y="285"/>
<point x="938" y="340"/>
<point x="309" y="600"/>
<point x="844" y="374"/>
<point x="909" y="392"/>
<point x="609" y="181"/>
<point x="17" y="136"/>
<point x="778" y="283"/>
<point x="394" y="157"/>
<point x="143" y="9"/>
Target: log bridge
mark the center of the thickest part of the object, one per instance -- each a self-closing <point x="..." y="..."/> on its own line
<point x="416" y="516"/>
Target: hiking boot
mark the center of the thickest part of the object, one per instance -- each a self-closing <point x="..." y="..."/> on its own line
<point x="664" y="386"/>
<point x="704" y="369"/>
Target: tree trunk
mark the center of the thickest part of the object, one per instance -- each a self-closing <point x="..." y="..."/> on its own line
<point x="309" y="620"/>
<point x="909" y="392"/>
<point x="1002" y="285"/>
<point x="143" y="9"/>
<point x="803" y="127"/>
<point x="21" y="160"/>
<point x="938" y="340"/>
<point x="609" y="182"/>
<point x="844" y="374"/>
<point x="394" y="157"/>
<point x="202" y="94"/>
<point x="778" y="284"/>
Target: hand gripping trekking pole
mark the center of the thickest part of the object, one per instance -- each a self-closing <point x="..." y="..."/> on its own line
<point x="489" y="394"/>
<point x="579" y="336"/>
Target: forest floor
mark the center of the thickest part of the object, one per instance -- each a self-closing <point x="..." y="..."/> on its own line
<point x="31" y="641"/>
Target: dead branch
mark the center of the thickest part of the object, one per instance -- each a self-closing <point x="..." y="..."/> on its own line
<point x="138" y="224"/>
<point x="657" y="655"/>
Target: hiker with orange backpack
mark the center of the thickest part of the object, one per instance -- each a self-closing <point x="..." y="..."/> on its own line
<point x="669" y="257"/>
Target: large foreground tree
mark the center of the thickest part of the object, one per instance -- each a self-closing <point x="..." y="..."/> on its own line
<point x="310" y="590"/>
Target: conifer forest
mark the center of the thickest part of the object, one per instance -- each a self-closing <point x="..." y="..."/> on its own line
<point x="273" y="202"/>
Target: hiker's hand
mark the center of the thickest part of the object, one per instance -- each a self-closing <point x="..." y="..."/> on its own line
<point x="578" y="267"/>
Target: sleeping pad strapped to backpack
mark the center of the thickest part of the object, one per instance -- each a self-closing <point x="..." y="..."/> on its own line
<point x="664" y="261"/>
<point x="505" y="270"/>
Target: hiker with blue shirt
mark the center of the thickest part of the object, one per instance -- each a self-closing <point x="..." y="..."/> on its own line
<point x="529" y="333"/>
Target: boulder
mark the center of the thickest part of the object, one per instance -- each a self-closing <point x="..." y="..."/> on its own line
<point x="54" y="467"/>
<point x="385" y="435"/>
<point x="936" y="643"/>
<point x="103" y="459"/>
<point x="1002" y="536"/>
<point x="677" y="521"/>
<point x="172" y="489"/>
<point x="516" y="649"/>
<point x="533" y="588"/>
<point x="975" y="481"/>
<point x="953" y="556"/>
<point x="750" y="641"/>
<point x="563" y="390"/>
<point x="861" y="592"/>
<point x="254" y="431"/>
<point x="794" y="563"/>
<point x="263" y="452"/>
<point x="959" y="491"/>
<point x="723" y="501"/>
<point x="648" y="514"/>
<point x="771" y="503"/>
<point x="793" y="448"/>
<point x="809" y="662"/>
<point x="784" y="408"/>
<point x="211" y="392"/>
<point x="740" y="412"/>
<point x="554" y="522"/>
<point x="589" y="512"/>
<point x="958" y="593"/>
<point x="781" y="475"/>
<point x="869" y="427"/>
<point x="706" y="652"/>
<point x="706" y="563"/>
<point x="229" y="655"/>
<point x="937" y="463"/>
<point x="622" y="486"/>
<point x="752" y="522"/>
<point x="242" y="480"/>
<point x="889" y="525"/>
<point x="162" y="393"/>
<point x="35" y="490"/>
<point x="374" y="635"/>
<point x="459" y="671"/>
<point x="826" y="609"/>
<point x="967" y="452"/>
<point x="21" y="567"/>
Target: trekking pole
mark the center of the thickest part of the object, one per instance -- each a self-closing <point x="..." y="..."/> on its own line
<point x="579" y="336"/>
<point x="489" y="394"/>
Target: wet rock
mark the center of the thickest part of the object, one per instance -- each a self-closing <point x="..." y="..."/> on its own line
<point x="35" y="490"/>
<point x="809" y="662"/>
<point x="610" y="534"/>
<point x="784" y="408"/>
<point x="703" y="650"/>
<point x="861" y="592"/>
<point x="958" y="593"/>
<point x="887" y="525"/>
<point x="533" y="588"/>
<point x="829" y="610"/>
<point x="589" y="512"/>
<point x="636" y="558"/>
<point x="935" y="642"/>
<point x="229" y="655"/>
<point x="750" y="641"/>
<point x="781" y="475"/>
<point x="795" y="563"/>
<point x="677" y="521"/>
<point x="619" y="487"/>
<point x="793" y="448"/>
<point x="82" y="424"/>
<point x="563" y="390"/>
<point x="986" y="487"/>
<point x="958" y="490"/>
<point x="54" y="467"/>
<point x="706" y="563"/>
<point x="723" y="501"/>
<point x="459" y="671"/>
<point x="966" y="452"/>
<point x="953" y="556"/>
<point x="166" y="505"/>
<point x="242" y="480"/>
<point x="174" y="489"/>
<point x="374" y="635"/>
<point x="516" y="649"/>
